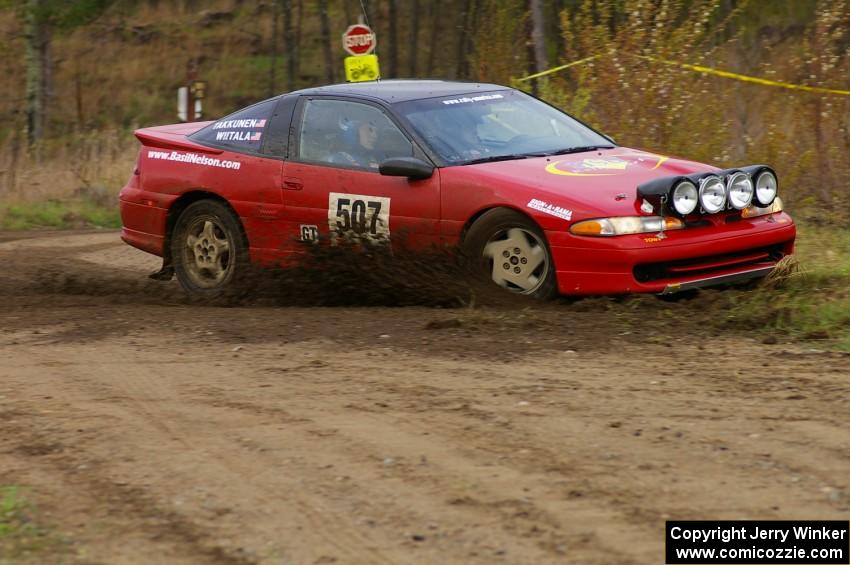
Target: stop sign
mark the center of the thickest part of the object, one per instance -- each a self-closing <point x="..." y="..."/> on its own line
<point x="358" y="40"/>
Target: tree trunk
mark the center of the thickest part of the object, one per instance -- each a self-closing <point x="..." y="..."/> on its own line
<point x="326" y="40"/>
<point x="435" y="34"/>
<point x="289" y="44"/>
<point x="471" y="34"/>
<point x="538" y="35"/>
<point x="12" y="175"/>
<point x="78" y="95"/>
<point x="349" y="18"/>
<point x="370" y="15"/>
<point x="555" y="28"/>
<point x="413" y="54"/>
<point x="530" y="53"/>
<point x="37" y="63"/>
<point x="463" y="29"/>
<point x="299" y="27"/>
<point x="393" y="33"/>
<point x="273" y="51"/>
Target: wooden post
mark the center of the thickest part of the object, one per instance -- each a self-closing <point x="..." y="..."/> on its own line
<point x="191" y="74"/>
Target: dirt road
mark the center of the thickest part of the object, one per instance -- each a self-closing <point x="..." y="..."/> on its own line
<point x="143" y="429"/>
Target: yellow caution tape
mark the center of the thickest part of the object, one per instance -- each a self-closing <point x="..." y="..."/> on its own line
<point x="746" y="78"/>
<point x="556" y="69"/>
<point x="704" y="70"/>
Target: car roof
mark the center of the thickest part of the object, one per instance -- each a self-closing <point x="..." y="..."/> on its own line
<point x="392" y="91"/>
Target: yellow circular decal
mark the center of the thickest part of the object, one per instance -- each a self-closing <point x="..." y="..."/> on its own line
<point x="599" y="166"/>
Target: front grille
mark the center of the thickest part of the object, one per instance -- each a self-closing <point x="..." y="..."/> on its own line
<point x="707" y="265"/>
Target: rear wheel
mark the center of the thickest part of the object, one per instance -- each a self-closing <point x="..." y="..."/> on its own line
<point x="512" y="250"/>
<point x="209" y="250"/>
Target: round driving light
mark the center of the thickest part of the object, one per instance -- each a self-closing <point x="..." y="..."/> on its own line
<point x="712" y="194"/>
<point x="739" y="187"/>
<point x="685" y="198"/>
<point x="765" y="189"/>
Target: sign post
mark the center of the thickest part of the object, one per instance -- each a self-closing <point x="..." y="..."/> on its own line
<point x="190" y="106"/>
<point x="359" y="42"/>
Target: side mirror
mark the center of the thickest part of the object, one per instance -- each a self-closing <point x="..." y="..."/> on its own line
<point x="410" y="167"/>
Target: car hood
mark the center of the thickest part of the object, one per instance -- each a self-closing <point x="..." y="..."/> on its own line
<point x="602" y="182"/>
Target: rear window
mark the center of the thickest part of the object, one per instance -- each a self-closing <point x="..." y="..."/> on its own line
<point x="242" y="130"/>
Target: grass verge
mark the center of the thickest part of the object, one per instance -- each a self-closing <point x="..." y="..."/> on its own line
<point x="59" y="215"/>
<point x="812" y="303"/>
<point x="21" y="539"/>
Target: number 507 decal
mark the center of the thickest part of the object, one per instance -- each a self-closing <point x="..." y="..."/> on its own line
<point x="359" y="216"/>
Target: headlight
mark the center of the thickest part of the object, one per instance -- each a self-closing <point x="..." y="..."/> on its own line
<point x="712" y="194"/>
<point x="685" y="198"/>
<point x="765" y="189"/>
<point x="754" y="211"/>
<point x="739" y="189"/>
<point x="626" y="225"/>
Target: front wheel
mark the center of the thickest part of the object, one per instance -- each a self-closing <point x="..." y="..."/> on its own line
<point x="209" y="250"/>
<point x="512" y="250"/>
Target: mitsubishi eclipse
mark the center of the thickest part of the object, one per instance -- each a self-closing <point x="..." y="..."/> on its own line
<point x="543" y="202"/>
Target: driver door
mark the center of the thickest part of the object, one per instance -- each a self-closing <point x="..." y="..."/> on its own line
<point x="332" y="186"/>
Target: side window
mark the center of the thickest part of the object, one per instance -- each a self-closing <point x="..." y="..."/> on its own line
<point x="349" y="134"/>
<point x="242" y="130"/>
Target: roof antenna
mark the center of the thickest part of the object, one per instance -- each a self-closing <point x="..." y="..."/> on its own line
<point x="366" y="19"/>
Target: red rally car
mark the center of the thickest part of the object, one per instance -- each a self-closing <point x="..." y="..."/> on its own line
<point x="548" y="204"/>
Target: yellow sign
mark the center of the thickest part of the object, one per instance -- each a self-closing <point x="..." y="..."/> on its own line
<point x="198" y="89"/>
<point x="362" y="67"/>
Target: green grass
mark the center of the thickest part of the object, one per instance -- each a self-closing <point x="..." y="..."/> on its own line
<point x="58" y="214"/>
<point x="812" y="304"/>
<point x="11" y="511"/>
<point x="21" y="539"/>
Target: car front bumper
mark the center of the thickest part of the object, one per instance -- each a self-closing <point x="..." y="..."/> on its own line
<point x="681" y="260"/>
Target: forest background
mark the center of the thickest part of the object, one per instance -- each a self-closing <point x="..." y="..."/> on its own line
<point x="78" y="76"/>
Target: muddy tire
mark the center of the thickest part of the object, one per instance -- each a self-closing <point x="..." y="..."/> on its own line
<point x="511" y="250"/>
<point x="209" y="251"/>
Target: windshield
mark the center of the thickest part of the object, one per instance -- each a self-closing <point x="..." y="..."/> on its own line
<point x="496" y="126"/>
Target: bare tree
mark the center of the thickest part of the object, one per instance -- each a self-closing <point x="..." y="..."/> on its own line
<point x="290" y="45"/>
<point x="414" y="39"/>
<point x="37" y="64"/>
<point x="554" y="27"/>
<point x="326" y="40"/>
<point x="538" y="35"/>
<point x="299" y="27"/>
<point x="349" y="18"/>
<point x="393" y="33"/>
<point x="471" y="34"/>
<point x="41" y="18"/>
<point x="273" y="50"/>
<point x="462" y="33"/>
<point x="371" y="15"/>
<point x="434" y="18"/>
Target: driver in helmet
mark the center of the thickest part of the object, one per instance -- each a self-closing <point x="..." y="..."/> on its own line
<point x="359" y="139"/>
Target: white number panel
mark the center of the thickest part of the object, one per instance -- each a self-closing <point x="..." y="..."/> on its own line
<point x="359" y="216"/>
